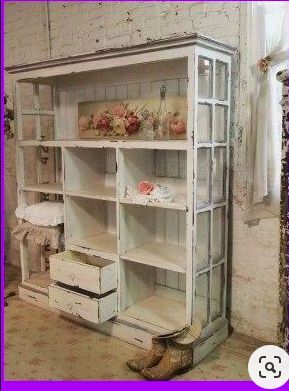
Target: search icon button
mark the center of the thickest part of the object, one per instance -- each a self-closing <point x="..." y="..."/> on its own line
<point x="269" y="366"/>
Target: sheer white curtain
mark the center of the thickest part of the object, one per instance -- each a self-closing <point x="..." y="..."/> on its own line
<point x="270" y="43"/>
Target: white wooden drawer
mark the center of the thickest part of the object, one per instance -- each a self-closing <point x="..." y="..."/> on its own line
<point x="87" y="272"/>
<point x="91" y="308"/>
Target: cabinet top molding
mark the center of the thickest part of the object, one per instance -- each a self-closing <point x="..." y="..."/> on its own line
<point x="119" y="52"/>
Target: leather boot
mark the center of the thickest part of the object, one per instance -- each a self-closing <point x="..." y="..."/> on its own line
<point x="178" y="357"/>
<point x="176" y="360"/>
<point x="150" y="358"/>
<point x="155" y="354"/>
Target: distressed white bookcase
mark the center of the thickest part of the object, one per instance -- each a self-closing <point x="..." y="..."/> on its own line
<point x="163" y="264"/>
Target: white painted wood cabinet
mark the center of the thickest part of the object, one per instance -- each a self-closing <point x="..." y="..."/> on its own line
<point x="157" y="266"/>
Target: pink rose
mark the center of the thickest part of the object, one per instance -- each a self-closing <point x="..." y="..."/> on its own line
<point x="95" y="120"/>
<point x="101" y="122"/>
<point x="145" y="187"/>
<point x="177" y="125"/>
<point x="104" y="123"/>
<point x="119" y="110"/>
<point x="132" y="123"/>
<point x="83" y="123"/>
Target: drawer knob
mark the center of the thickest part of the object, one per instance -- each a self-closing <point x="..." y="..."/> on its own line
<point x="70" y="306"/>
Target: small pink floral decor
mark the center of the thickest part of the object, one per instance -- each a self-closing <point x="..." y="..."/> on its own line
<point x="264" y="64"/>
<point x="127" y="119"/>
<point x="145" y="187"/>
<point x="176" y="124"/>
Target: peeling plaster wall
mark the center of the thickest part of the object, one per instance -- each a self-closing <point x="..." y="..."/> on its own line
<point x="80" y="27"/>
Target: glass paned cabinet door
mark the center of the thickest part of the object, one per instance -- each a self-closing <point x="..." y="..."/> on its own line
<point x="205" y="77"/>
<point x="220" y="125"/>
<point x="221" y="80"/>
<point x="219" y="175"/>
<point x="218" y="234"/>
<point x="47" y="127"/>
<point x="203" y="241"/>
<point x="28" y="127"/>
<point x="45" y="97"/>
<point x="203" y="176"/>
<point x="210" y="220"/>
<point x="204" y="123"/>
<point x="27" y="96"/>
<point x="35" y="111"/>
<point x="202" y="298"/>
<point x="217" y="292"/>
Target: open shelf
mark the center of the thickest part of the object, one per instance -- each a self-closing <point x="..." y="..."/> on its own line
<point x="42" y="168"/>
<point x="39" y="280"/>
<point x="47" y="188"/>
<point x="163" y="167"/>
<point x="152" y="298"/>
<point x="91" y="226"/>
<point x="158" y="310"/>
<point x="105" y="193"/>
<point x="179" y="202"/>
<point x="103" y="242"/>
<point x="90" y="173"/>
<point x="160" y="254"/>
<point x="154" y="236"/>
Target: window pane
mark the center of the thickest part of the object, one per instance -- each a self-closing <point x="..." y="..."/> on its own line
<point x="202" y="298"/>
<point x="220" y="123"/>
<point x="203" y="176"/>
<point x="219" y="172"/>
<point x="218" y="232"/>
<point x="45" y="97"/>
<point x="204" y="123"/>
<point x="205" y="77"/>
<point x="30" y="158"/>
<point x="29" y="127"/>
<point x="217" y="292"/>
<point x="203" y="240"/>
<point x="26" y="96"/>
<point x="221" y="80"/>
<point x="47" y="127"/>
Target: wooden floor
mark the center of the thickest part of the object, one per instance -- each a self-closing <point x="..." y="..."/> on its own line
<point x="32" y="350"/>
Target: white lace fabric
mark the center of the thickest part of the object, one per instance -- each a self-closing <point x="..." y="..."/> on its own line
<point x="47" y="213"/>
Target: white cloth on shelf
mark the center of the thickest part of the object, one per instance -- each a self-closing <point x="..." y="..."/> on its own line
<point x="47" y="213"/>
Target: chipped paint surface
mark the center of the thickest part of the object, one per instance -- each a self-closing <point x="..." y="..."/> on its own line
<point x="81" y="27"/>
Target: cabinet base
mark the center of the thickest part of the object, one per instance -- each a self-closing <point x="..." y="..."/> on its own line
<point x="128" y="332"/>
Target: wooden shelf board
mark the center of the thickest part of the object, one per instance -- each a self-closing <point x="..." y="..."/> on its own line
<point x="98" y="193"/>
<point x="159" y="254"/>
<point x="51" y="188"/>
<point x="103" y="243"/>
<point x="159" y="311"/>
<point x="109" y="143"/>
<point x="166" y="205"/>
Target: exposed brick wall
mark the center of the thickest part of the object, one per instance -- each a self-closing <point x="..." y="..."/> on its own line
<point x="80" y="27"/>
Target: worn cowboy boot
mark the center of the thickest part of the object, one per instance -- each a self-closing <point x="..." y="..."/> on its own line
<point x="155" y="354"/>
<point x="175" y="360"/>
<point x="178" y="357"/>
<point x="150" y="358"/>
